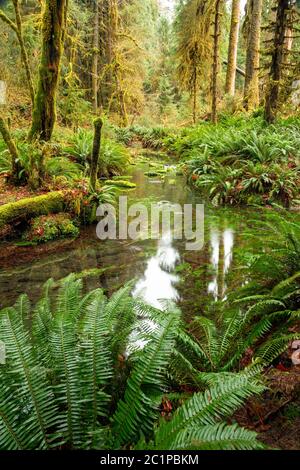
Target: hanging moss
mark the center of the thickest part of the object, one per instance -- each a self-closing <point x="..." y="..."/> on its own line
<point x="44" y="110"/>
<point x="27" y="208"/>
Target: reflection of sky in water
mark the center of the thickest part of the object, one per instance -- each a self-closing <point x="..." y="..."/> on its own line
<point x="228" y="241"/>
<point x="158" y="281"/>
<point x="217" y="287"/>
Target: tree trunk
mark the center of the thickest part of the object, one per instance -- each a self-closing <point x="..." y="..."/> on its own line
<point x="44" y="111"/>
<point x="18" y="29"/>
<point x="95" y="153"/>
<point x="195" y="97"/>
<point x="251" y="91"/>
<point x="95" y="58"/>
<point x="277" y="56"/>
<point x="15" y="164"/>
<point x="215" y="67"/>
<point x="238" y="69"/>
<point x="233" y="47"/>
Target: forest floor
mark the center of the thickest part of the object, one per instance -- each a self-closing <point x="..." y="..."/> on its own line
<point x="275" y="415"/>
<point x="10" y="193"/>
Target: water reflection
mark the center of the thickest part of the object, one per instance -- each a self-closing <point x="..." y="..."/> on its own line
<point x="221" y="260"/>
<point x="213" y="287"/>
<point x="30" y="267"/>
<point x="158" y="282"/>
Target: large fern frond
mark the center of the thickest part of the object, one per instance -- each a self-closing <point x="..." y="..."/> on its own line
<point x="29" y="381"/>
<point x="95" y="361"/>
<point x="206" y="409"/>
<point x="217" y="437"/>
<point x="138" y="410"/>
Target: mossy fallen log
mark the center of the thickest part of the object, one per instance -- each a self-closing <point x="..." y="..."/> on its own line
<point x="25" y="209"/>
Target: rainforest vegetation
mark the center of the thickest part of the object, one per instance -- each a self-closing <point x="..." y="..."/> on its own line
<point x="141" y="345"/>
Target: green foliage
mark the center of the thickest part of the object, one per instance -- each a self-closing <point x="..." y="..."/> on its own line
<point x="278" y="266"/>
<point x="121" y="184"/>
<point x="24" y="209"/>
<point x="80" y="147"/>
<point x="113" y="156"/>
<point x="150" y="137"/>
<point x="198" y="423"/>
<point x="241" y="162"/>
<point x="63" y="166"/>
<point x="51" y="227"/>
<point x="76" y="377"/>
<point x="255" y="324"/>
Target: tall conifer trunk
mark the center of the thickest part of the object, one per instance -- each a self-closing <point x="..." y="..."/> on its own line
<point x="251" y="91"/>
<point x="215" y="67"/>
<point x="277" y="58"/>
<point x="233" y="47"/>
<point x="95" y="80"/>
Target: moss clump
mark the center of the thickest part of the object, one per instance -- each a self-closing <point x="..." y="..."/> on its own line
<point x="50" y="227"/>
<point x="25" y="209"/>
<point x="121" y="184"/>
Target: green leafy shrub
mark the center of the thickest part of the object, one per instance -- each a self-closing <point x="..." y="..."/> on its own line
<point x="241" y="162"/>
<point x="113" y="156"/>
<point x="153" y="138"/>
<point x="62" y="166"/>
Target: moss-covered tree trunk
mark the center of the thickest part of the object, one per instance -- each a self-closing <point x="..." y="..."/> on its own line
<point x="251" y="90"/>
<point x="95" y="153"/>
<point x="233" y="47"/>
<point x="15" y="161"/>
<point x="24" y="54"/>
<point x="95" y="79"/>
<point x="195" y="94"/>
<point x="277" y="59"/>
<point x="17" y="27"/>
<point x="53" y="28"/>
<point x="215" y="66"/>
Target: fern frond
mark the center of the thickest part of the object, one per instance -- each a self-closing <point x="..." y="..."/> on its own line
<point x="69" y="298"/>
<point x="41" y="323"/>
<point x="95" y="361"/>
<point x="287" y="286"/>
<point x="22" y="306"/>
<point x="65" y="355"/>
<point x="212" y="340"/>
<point x="274" y="347"/>
<point x="11" y="431"/>
<point x="29" y="381"/>
<point x="217" y="437"/>
<point x="206" y="409"/>
<point x="136" y="413"/>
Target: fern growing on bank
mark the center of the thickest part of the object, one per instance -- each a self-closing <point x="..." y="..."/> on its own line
<point x="75" y="380"/>
<point x="255" y="320"/>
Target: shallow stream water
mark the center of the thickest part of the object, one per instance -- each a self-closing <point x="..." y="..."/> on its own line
<point x="163" y="269"/>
